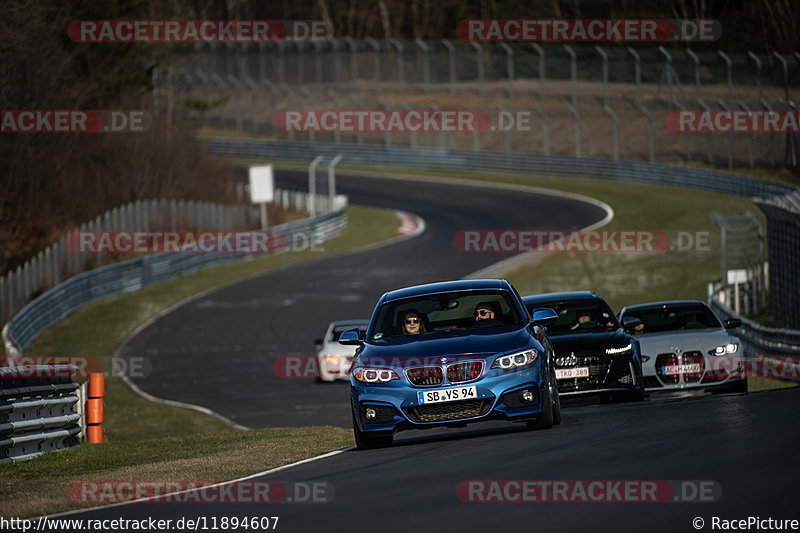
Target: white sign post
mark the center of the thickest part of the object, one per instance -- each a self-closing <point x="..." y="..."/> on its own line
<point x="262" y="189"/>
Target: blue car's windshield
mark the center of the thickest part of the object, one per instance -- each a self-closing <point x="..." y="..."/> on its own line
<point x="445" y="312"/>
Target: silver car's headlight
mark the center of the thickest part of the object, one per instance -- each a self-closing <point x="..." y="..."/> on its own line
<point x="617" y="351"/>
<point x="726" y="349"/>
<point x="515" y="360"/>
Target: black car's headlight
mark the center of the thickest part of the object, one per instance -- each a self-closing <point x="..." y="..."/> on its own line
<point x="515" y="360"/>
<point x="620" y="350"/>
<point x="727" y="349"/>
<point x="374" y="375"/>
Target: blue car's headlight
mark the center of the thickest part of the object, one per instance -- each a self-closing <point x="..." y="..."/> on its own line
<point x="515" y="360"/>
<point x="618" y="351"/>
<point x="374" y="375"/>
<point x="727" y="349"/>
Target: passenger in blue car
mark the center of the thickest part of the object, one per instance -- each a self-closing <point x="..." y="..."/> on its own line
<point x="485" y="316"/>
<point x="413" y="323"/>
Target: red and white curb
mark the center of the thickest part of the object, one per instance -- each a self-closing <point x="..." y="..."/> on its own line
<point x="408" y="223"/>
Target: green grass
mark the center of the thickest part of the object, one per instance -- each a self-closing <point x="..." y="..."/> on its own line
<point x="152" y="441"/>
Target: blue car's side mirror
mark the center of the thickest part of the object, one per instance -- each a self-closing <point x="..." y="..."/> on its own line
<point x="543" y="316"/>
<point x="350" y="338"/>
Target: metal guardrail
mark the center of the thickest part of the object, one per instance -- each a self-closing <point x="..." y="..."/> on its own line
<point x="126" y="276"/>
<point x="778" y="341"/>
<point x="762" y="340"/>
<point x="39" y="410"/>
<point x="470" y="161"/>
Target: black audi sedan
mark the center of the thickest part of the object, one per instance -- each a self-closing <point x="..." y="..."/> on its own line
<point x="593" y="354"/>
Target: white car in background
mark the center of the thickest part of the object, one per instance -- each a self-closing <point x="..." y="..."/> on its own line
<point x="685" y="346"/>
<point x="334" y="359"/>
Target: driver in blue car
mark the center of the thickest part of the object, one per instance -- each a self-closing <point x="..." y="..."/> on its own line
<point x="484" y="316"/>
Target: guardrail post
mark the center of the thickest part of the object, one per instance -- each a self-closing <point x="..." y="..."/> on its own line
<point x="312" y="186"/>
<point x="573" y="69"/>
<point x="509" y="68"/>
<point x="540" y="52"/>
<point x="479" y="49"/>
<point x="318" y="61"/>
<point x="332" y="180"/>
<point x="476" y="143"/>
<point x="282" y="61"/>
<point x="451" y="62"/>
<point x="94" y="408"/>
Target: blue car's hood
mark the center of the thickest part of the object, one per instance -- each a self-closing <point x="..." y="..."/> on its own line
<point x="589" y="342"/>
<point x="457" y="344"/>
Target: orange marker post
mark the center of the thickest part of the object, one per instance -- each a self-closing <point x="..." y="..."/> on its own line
<point x="94" y="407"/>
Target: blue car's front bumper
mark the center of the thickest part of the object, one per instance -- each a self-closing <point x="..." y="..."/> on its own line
<point x="499" y="396"/>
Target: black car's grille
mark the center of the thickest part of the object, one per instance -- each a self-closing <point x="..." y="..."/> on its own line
<point x="598" y="368"/>
<point x="440" y="412"/>
<point x="466" y="371"/>
<point x="425" y="376"/>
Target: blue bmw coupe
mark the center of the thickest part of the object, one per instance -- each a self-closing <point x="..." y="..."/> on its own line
<point x="448" y="354"/>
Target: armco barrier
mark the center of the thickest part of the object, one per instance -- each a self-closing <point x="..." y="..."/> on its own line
<point x="39" y="410"/>
<point x="781" y="341"/>
<point x="126" y="276"/>
<point x="531" y="164"/>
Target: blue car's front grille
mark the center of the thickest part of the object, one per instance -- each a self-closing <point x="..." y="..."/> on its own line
<point x="440" y="412"/>
<point x="425" y="376"/>
<point x="466" y="371"/>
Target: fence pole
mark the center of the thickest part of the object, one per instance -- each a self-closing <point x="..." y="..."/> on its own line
<point x="545" y="135"/>
<point x="312" y="186"/>
<point x="426" y="65"/>
<point x="509" y="68"/>
<point x="540" y="52"/>
<point x="750" y="137"/>
<point x="637" y="74"/>
<point x="312" y="138"/>
<point x="353" y="65"/>
<point x="337" y="134"/>
<point x="479" y="49"/>
<point x="757" y="61"/>
<point x="507" y="130"/>
<point x="376" y="64"/>
<point x="573" y="69"/>
<point x="577" y="117"/>
<point x="451" y="62"/>
<point x="668" y="73"/>
<point x="332" y="180"/>
<point x="400" y="77"/>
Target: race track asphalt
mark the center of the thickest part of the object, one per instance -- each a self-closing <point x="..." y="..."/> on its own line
<point x="217" y="351"/>
<point x="743" y="445"/>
